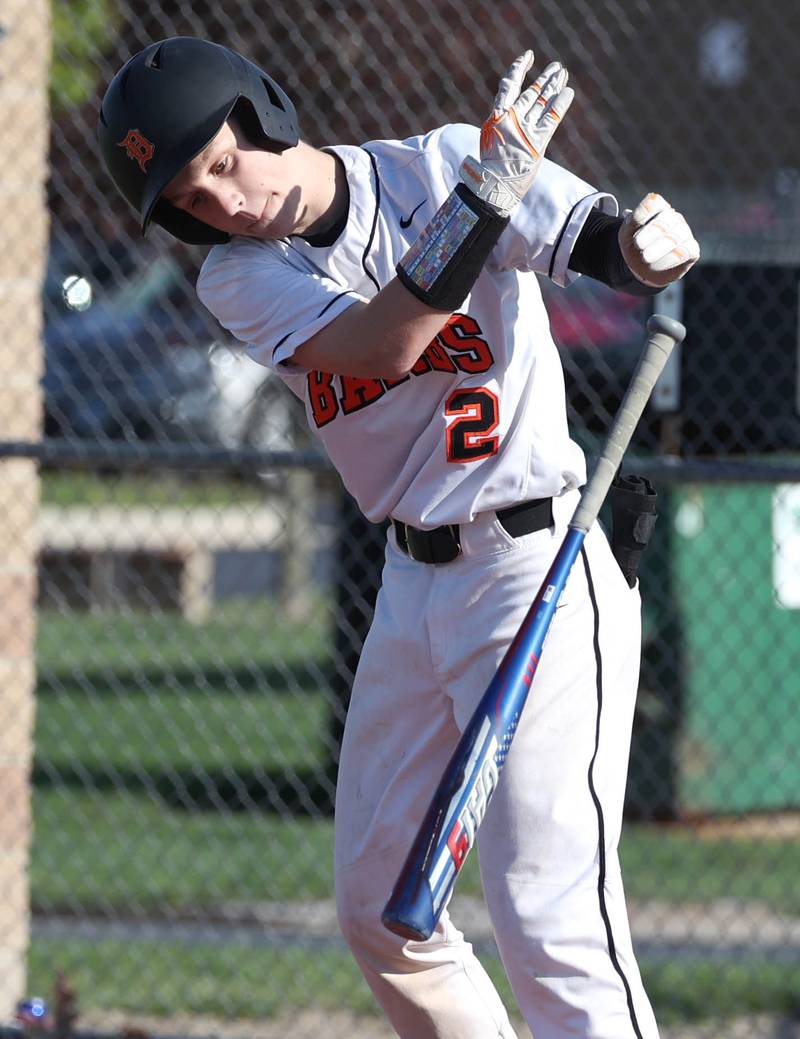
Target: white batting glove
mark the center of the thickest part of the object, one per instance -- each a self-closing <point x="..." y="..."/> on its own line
<point x="514" y="137"/>
<point x="657" y="243"/>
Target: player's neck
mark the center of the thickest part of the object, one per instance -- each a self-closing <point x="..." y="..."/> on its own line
<point x="329" y="200"/>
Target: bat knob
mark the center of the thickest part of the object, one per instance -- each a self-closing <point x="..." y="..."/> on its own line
<point x="660" y="324"/>
<point x="409" y="912"/>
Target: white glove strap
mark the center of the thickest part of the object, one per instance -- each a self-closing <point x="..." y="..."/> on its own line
<point x="494" y="191"/>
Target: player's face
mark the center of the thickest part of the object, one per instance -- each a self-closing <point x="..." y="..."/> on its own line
<point x="240" y="189"/>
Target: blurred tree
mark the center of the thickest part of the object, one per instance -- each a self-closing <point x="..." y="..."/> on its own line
<point x="81" y="29"/>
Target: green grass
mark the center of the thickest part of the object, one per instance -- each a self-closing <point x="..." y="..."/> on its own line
<point x="166" y="729"/>
<point x="95" y="851"/>
<point x="233" y="981"/>
<point x="145" y="727"/>
<point x="692" y="991"/>
<point x="146" y="723"/>
<point x="171" y="759"/>
<point x="140" y="694"/>
<point x="221" y="980"/>
<point x="667" y="865"/>
<point x="88" y="488"/>
<point x="131" y="650"/>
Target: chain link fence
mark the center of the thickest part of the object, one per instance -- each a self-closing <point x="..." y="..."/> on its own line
<point x="205" y="585"/>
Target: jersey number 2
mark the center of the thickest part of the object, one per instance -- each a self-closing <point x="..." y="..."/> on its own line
<point x="476" y="414"/>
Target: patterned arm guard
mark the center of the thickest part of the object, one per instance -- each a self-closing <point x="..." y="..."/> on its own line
<point x="440" y="268"/>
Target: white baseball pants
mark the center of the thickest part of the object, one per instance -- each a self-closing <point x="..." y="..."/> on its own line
<point x="548" y="843"/>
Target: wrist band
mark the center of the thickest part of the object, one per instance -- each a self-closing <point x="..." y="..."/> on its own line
<point x="441" y="266"/>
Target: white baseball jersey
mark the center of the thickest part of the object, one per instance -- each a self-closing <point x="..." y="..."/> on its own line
<point x="480" y="422"/>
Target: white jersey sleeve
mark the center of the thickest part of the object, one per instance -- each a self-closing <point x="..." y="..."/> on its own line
<point x="273" y="299"/>
<point x="560" y="202"/>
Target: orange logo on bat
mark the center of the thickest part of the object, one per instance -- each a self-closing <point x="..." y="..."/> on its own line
<point x="138" y="148"/>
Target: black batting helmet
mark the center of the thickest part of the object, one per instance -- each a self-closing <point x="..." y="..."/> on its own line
<point x="165" y="105"/>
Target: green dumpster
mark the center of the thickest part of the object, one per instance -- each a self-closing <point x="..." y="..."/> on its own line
<point x="735" y="573"/>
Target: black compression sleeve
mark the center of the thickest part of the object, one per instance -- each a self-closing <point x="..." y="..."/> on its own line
<point x="597" y="254"/>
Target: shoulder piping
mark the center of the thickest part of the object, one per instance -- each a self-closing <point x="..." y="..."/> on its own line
<point x="330" y="302"/>
<point x="371" y="238"/>
<point x="327" y="306"/>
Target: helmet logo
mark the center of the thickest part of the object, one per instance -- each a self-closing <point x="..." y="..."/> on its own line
<point x="138" y="148"/>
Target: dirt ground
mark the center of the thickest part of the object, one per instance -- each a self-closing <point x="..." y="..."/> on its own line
<point x="317" y="1025"/>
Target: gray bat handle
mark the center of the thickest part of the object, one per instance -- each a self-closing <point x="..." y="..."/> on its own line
<point x="663" y="334"/>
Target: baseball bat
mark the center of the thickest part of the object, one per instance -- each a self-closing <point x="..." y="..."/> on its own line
<point x="448" y="830"/>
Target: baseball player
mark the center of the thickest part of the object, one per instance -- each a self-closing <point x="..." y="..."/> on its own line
<point x="394" y="287"/>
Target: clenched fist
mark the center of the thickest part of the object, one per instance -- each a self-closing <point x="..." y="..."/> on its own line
<point x="657" y="243"/>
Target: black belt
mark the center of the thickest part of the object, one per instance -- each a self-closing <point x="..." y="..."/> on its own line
<point x="443" y="544"/>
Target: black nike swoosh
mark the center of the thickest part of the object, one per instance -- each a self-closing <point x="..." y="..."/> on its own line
<point x="405" y="221"/>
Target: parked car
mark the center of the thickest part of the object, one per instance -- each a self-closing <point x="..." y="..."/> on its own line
<point x="145" y="361"/>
